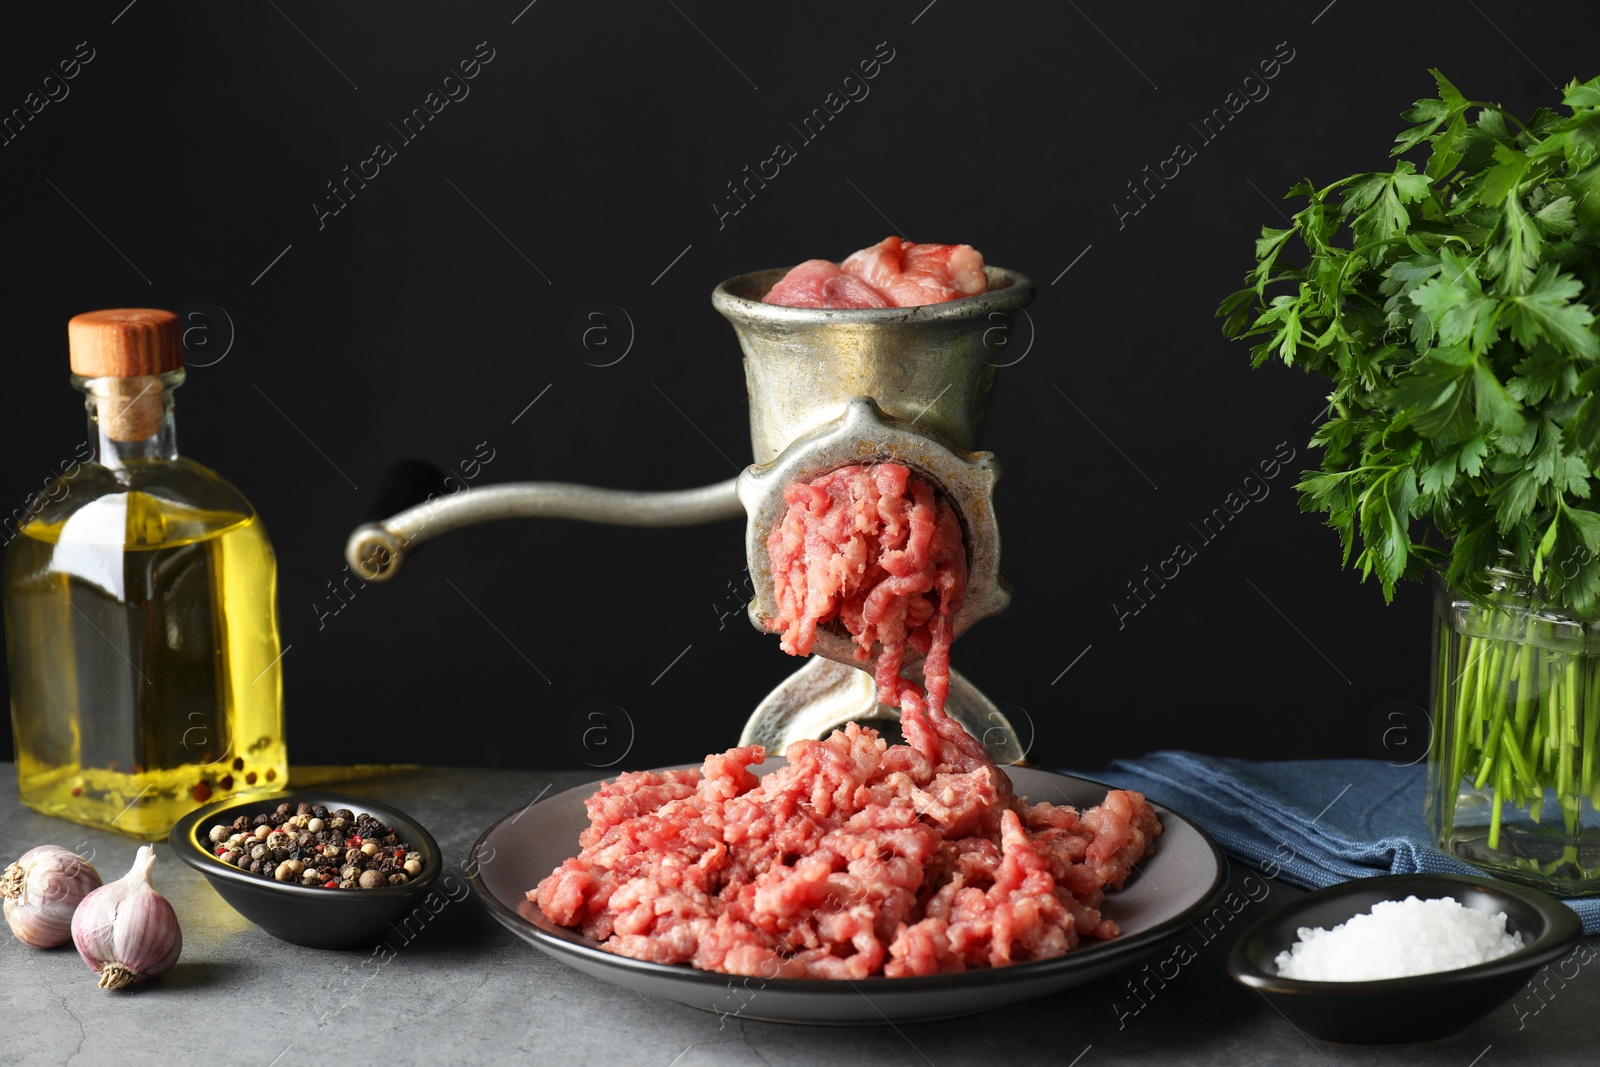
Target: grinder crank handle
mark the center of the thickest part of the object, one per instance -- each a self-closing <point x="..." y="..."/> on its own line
<point x="376" y="550"/>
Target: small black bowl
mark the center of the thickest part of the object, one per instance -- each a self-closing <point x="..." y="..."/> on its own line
<point x="307" y="915"/>
<point x="1403" y="1011"/>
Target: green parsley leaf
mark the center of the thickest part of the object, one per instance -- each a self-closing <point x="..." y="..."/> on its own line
<point x="1456" y="304"/>
<point x="1557" y="216"/>
<point x="1547" y="311"/>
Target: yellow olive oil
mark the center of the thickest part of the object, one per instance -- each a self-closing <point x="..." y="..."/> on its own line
<point x="143" y="648"/>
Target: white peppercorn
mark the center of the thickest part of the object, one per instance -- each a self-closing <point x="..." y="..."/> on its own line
<point x="218" y="834"/>
<point x="315" y="826"/>
<point x="262" y="831"/>
<point x="413" y="868"/>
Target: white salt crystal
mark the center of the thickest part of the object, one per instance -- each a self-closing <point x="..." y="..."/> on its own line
<point x="1399" y="938"/>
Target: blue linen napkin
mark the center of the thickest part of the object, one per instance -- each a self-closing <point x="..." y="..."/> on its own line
<point x="1310" y="822"/>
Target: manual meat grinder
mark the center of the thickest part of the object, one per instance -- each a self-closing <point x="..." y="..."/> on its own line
<point x="828" y="388"/>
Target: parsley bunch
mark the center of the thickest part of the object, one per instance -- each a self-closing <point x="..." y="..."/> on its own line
<point x="1452" y="309"/>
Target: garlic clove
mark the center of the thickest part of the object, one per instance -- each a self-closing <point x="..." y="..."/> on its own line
<point x="41" y="891"/>
<point x="126" y="931"/>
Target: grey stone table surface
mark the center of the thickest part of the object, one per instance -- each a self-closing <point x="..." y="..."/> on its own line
<point x="466" y="990"/>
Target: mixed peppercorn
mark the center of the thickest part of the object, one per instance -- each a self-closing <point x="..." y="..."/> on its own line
<point x="313" y="846"/>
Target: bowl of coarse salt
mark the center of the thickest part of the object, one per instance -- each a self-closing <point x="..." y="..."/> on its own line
<point x="1404" y="958"/>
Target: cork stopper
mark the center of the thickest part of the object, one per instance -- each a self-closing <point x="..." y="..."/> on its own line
<point x="126" y="348"/>
<point x="125" y="343"/>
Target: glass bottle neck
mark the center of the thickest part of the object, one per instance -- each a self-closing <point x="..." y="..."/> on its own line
<point x="130" y="419"/>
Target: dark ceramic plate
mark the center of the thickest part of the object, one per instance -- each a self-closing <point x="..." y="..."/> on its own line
<point x="307" y="915"/>
<point x="1186" y="875"/>
<point x="1423" y="1007"/>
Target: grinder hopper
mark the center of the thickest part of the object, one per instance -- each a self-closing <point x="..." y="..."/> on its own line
<point x="828" y="388"/>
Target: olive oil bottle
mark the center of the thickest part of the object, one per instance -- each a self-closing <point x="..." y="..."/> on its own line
<point x="140" y="608"/>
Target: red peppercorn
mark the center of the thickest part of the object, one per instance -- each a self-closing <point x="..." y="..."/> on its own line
<point x="77" y="790"/>
<point x="331" y="883"/>
<point x="201" y="791"/>
<point x="399" y="853"/>
<point x="354" y="842"/>
<point x="226" y="781"/>
<point x="250" y="779"/>
<point x="221" y="850"/>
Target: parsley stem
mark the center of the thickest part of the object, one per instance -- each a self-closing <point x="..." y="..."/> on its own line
<point x="1525" y="687"/>
<point x="1591" y="736"/>
<point x="1494" y="817"/>
<point x="1486" y="766"/>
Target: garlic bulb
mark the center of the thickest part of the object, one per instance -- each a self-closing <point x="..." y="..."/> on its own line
<point x="126" y="931"/>
<point x="41" y="890"/>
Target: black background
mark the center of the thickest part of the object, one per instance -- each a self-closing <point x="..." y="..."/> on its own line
<point x="424" y="317"/>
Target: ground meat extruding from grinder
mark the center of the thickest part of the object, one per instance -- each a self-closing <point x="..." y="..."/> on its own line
<point x="854" y="859"/>
<point x="891" y="273"/>
<point x="876" y="549"/>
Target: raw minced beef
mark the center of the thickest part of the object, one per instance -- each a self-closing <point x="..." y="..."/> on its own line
<point x="856" y="858"/>
<point x="875" y="548"/>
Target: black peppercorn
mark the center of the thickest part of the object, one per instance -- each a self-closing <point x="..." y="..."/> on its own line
<point x="313" y="850"/>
